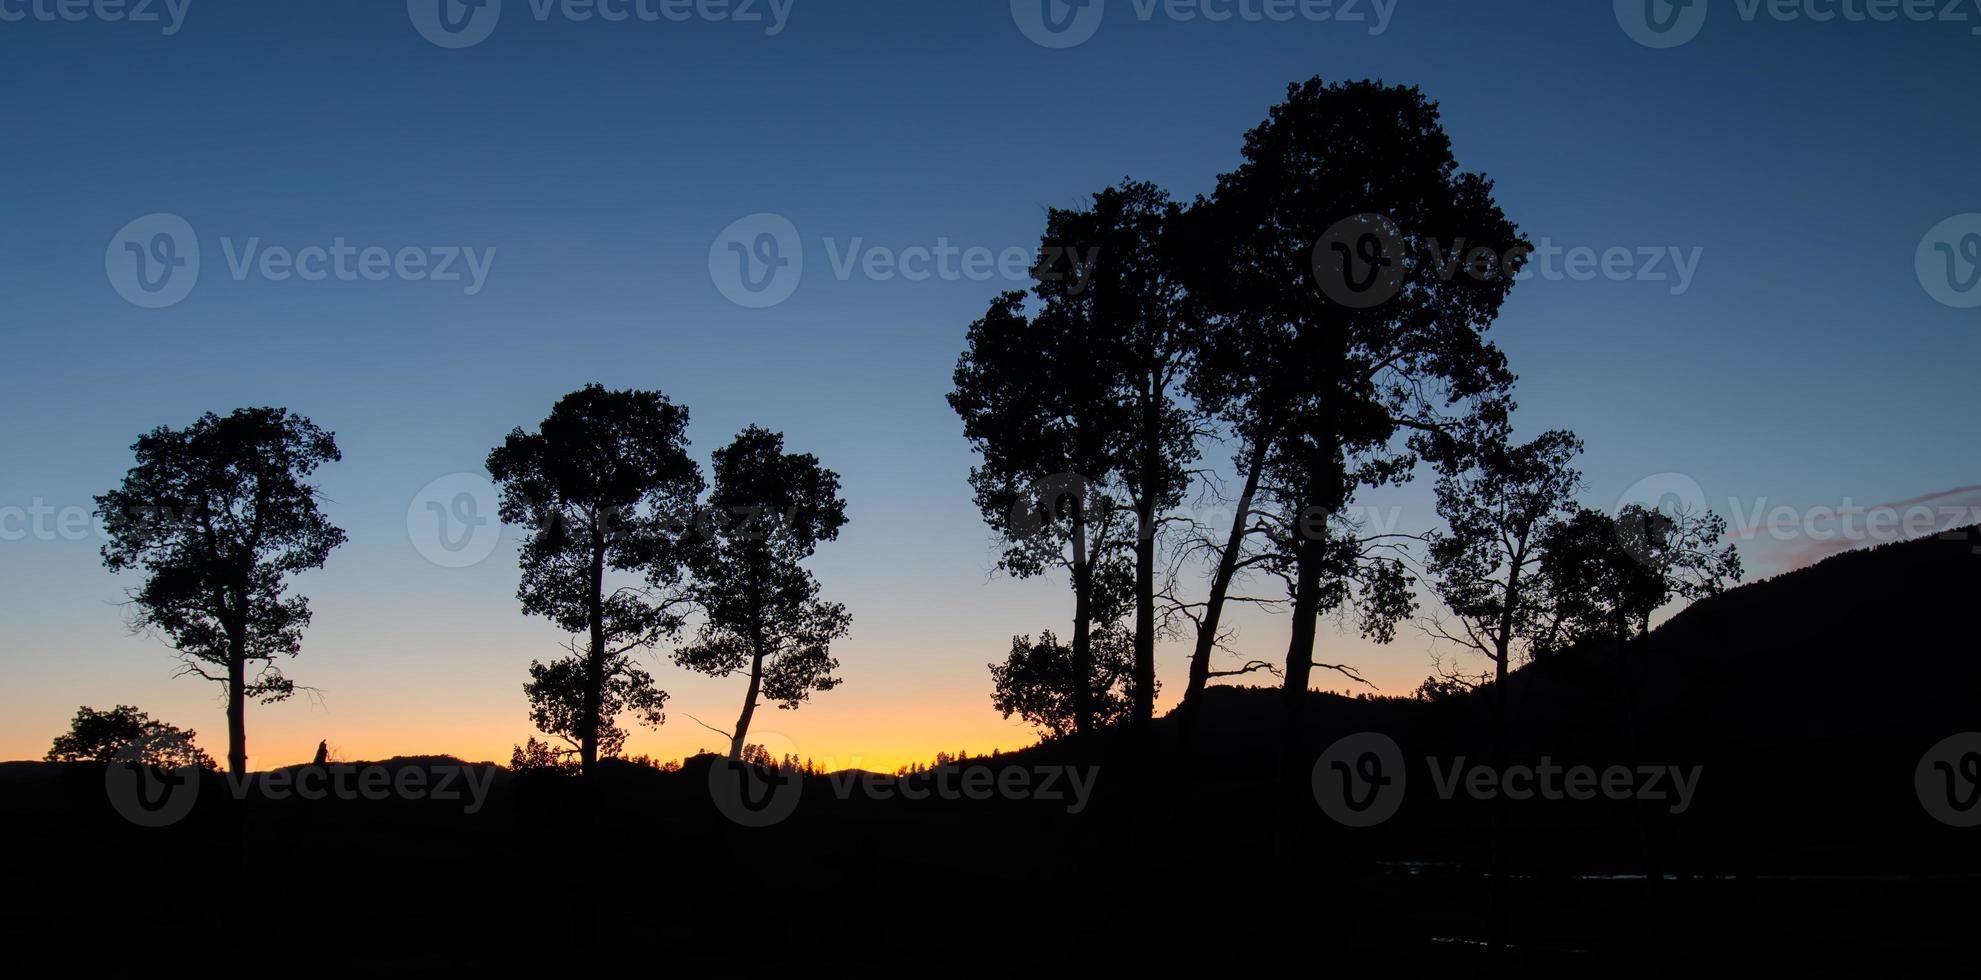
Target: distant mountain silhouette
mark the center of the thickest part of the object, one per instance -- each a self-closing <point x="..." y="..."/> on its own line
<point x="1862" y="642"/>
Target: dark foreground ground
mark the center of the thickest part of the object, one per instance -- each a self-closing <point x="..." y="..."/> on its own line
<point x="1828" y="834"/>
<point x="1817" y="864"/>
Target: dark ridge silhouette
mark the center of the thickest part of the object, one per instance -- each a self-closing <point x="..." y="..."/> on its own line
<point x="1863" y="642"/>
<point x="1806" y="814"/>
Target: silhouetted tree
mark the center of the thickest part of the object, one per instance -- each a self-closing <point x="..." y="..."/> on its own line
<point x="219" y="515"/>
<point x="1036" y="681"/>
<point x="768" y="512"/>
<point x="1354" y="305"/>
<point x="1047" y="427"/>
<point x="1109" y="276"/>
<point x="1500" y="502"/>
<point x="535" y="755"/>
<point x="604" y="486"/>
<point x="1610" y="575"/>
<point x="562" y="698"/>
<point x="1436" y="689"/>
<point x="99" y="736"/>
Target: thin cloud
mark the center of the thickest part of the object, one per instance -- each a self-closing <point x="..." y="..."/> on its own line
<point x="1786" y="544"/>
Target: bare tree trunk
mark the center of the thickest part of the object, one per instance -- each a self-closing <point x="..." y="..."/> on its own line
<point x="237" y="714"/>
<point x="1227" y="569"/>
<point x="749" y="704"/>
<point x="1083" y="588"/>
<point x="1300" y="649"/>
<point x="1503" y="655"/>
<point x="236" y="624"/>
<point x="1144" y="706"/>
<point x="1496" y="933"/>
<point x="588" y="725"/>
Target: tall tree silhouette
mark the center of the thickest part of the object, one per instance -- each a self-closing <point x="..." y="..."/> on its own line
<point x="1228" y="385"/>
<point x="219" y="515"/>
<point x="768" y="512"/>
<point x="605" y="486"/>
<point x="1110" y="277"/>
<point x="1046" y="424"/>
<point x="1341" y="227"/>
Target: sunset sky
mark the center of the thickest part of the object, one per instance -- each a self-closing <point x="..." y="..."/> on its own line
<point x="1790" y="169"/>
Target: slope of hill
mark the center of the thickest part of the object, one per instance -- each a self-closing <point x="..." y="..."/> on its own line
<point x="1867" y="643"/>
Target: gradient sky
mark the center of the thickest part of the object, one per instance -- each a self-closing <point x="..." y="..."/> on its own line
<point x="1804" y="367"/>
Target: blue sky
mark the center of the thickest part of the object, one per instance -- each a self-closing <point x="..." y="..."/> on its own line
<point x="595" y="164"/>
